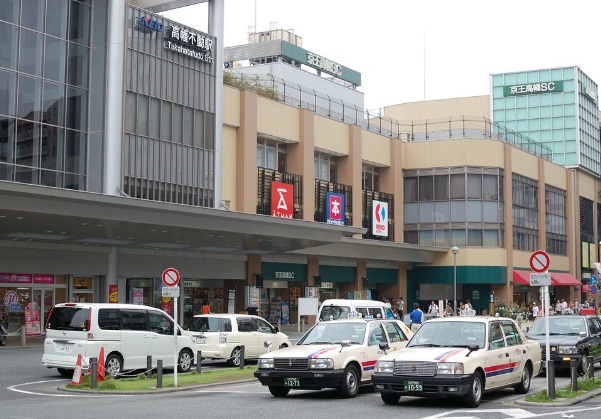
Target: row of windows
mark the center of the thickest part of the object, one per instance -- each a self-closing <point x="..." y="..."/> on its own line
<point x="38" y="100"/>
<point x="453" y="186"/>
<point x="455" y="237"/>
<point x="43" y="56"/>
<point x="65" y="19"/>
<point x="524" y="102"/>
<point x="510" y="114"/>
<point x="161" y="119"/>
<point x="271" y="155"/>
<point x="453" y="211"/>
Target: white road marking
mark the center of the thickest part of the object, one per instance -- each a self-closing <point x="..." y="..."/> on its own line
<point x="34" y="393"/>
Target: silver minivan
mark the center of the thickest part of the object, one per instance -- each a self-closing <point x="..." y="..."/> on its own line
<point x="127" y="332"/>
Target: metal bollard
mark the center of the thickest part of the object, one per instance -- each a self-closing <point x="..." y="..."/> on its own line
<point x="199" y="361"/>
<point x="148" y="366"/>
<point x="591" y="367"/>
<point x="551" y="379"/>
<point x="242" y="356"/>
<point x="93" y="373"/>
<point x="23" y="336"/>
<point x="159" y="373"/>
<point x="574" y="374"/>
<point x="302" y="325"/>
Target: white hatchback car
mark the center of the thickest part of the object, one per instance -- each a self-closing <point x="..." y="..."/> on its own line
<point x="459" y="357"/>
<point x="221" y="336"/>
<point x="332" y="354"/>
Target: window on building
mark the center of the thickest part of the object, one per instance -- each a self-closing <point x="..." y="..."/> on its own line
<point x="525" y="213"/>
<point x="371" y="178"/>
<point x="271" y="155"/>
<point x="326" y="167"/>
<point x="587" y="231"/>
<point x="556" y="220"/>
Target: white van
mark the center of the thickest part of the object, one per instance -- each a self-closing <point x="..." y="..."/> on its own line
<point x="341" y="309"/>
<point x="128" y="333"/>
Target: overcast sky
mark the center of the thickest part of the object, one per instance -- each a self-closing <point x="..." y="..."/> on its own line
<point x="465" y="40"/>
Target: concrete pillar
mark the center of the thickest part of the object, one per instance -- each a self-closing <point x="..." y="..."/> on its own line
<point x="246" y="154"/>
<point x="216" y="18"/>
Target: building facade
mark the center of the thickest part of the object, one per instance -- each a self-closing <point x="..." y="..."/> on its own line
<point x="122" y="154"/>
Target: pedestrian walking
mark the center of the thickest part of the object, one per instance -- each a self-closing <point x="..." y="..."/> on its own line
<point x="400" y="308"/>
<point x="416" y="317"/>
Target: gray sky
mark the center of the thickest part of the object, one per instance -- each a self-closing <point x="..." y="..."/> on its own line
<point x="465" y="40"/>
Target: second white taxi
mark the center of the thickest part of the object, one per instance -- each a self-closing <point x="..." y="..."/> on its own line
<point x="459" y="357"/>
<point x="337" y="354"/>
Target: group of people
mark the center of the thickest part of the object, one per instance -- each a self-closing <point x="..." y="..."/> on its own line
<point x="417" y="315"/>
<point x="560" y="307"/>
<point x="398" y="307"/>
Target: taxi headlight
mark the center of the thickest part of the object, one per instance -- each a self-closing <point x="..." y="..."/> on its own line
<point x="321" y="364"/>
<point x="265" y="363"/>
<point x="568" y="350"/>
<point x="384" y="366"/>
<point x="449" y="368"/>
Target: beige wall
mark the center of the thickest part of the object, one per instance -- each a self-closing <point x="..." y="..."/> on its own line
<point x="443" y="108"/>
<point x="331" y="136"/>
<point x="376" y="149"/>
<point x="555" y="175"/>
<point x="277" y="120"/>
<point x="231" y="111"/>
<point x="453" y="153"/>
<point x="587" y="186"/>
<point x="524" y="164"/>
<point x="228" y="191"/>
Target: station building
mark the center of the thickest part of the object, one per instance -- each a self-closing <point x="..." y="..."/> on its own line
<point x="122" y="153"/>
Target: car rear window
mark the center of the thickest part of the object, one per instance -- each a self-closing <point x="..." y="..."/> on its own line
<point x="68" y="318"/>
<point x="334" y="313"/>
<point x="210" y="324"/>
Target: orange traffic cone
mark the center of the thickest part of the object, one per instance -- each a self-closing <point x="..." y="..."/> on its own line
<point x="101" y="364"/>
<point x="77" y="374"/>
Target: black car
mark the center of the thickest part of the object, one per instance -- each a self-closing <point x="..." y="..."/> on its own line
<point x="570" y="337"/>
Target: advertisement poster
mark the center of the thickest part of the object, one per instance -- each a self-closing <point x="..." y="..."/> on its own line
<point x="113" y="293"/>
<point x="285" y="313"/>
<point x="335" y="208"/>
<point x="282" y="200"/>
<point x="380" y="219"/>
<point x="166" y="305"/>
<point x="32" y="319"/>
<point x="137" y="296"/>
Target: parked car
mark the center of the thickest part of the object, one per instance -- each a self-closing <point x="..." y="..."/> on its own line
<point x="127" y="332"/>
<point x="332" y="354"/>
<point x="221" y="336"/>
<point x="570" y="337"/>
<point x="335" y="309"/>
<point x="459" y="357"/>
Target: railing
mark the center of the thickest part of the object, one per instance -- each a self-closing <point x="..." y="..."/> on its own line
<point x="472" y="127"/>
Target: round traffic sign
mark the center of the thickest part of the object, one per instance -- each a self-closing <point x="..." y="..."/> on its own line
<point x="540" y="261"/>
<point x="170" y="277"/>
<point x="593" y="289"/>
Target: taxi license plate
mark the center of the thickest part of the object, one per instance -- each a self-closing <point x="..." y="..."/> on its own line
<point x="64" y="348"/>
<point x="291" y="382"/>
<point x="413" y="386"/>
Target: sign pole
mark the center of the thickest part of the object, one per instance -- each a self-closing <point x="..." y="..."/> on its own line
<point x="175" y="342"/>
<point x="550" y="384"/>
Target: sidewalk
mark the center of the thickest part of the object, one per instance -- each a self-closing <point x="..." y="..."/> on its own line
<point x="30" y="341"/>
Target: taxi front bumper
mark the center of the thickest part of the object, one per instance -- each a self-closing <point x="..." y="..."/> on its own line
<point x="439" y="385"/>
<point x="307" y="380"/>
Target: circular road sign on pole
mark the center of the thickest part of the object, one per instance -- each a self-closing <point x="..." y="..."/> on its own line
<point x="170" y="277"/>
<point x="540" y="261"/>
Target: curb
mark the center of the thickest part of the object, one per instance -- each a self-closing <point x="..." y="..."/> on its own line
<point x="566" y="402"/>
<point x="155" y="391"/>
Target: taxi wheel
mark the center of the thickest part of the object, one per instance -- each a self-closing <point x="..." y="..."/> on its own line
<point x="474" y="395"/>
<point x="583" y="365"/>
<point x="524" y="385"/>
<point x="390" y="398"/>
<point x="279" y="391"/>
<point x="349" y="387"/>
<point x="65" y="372"/>
<point x="234" y="360"/>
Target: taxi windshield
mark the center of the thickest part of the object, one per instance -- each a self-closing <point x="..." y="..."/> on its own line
<point x="559" y="325"/>
<point x="449" y="334"/>
<point x="334" y="333"/>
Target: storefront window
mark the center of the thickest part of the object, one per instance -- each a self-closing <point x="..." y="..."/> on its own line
<point x="83" y="291"/>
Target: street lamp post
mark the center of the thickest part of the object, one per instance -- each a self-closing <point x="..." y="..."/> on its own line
<point x="455" y="249"/>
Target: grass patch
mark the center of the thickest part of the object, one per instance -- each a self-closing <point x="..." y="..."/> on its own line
<point x="584" y="385"/>
<point x="142" y="383"/>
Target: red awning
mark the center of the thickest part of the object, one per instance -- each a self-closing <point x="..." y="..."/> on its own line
<point x="557" y="278"/>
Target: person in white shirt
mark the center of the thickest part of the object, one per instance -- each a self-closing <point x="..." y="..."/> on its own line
<point x="433" y="309"/>
<point x="534" y="311"/>
<point x="564" y="306"/>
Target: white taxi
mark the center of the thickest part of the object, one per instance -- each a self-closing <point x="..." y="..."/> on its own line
<point x="460" y="357"/>
<point x="222" y="336"/>
<point x="332" y="354"/>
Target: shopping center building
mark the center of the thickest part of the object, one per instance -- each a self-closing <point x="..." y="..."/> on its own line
<point x="122" y="153"/>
